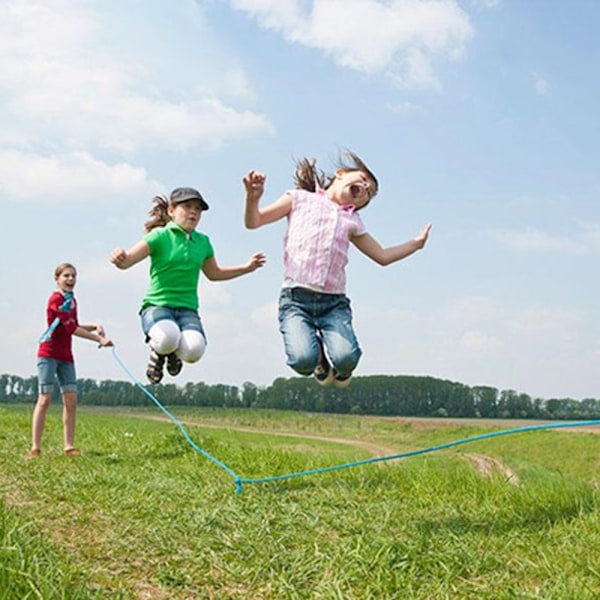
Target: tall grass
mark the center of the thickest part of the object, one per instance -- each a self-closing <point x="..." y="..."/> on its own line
<point x="29" y="568"/>
<point x="141" y="515"/>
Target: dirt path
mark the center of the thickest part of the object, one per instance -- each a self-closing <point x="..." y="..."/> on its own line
<point x="485" y="465"/>
<point x="435" y="422"/>
<point x="374" y="450"/>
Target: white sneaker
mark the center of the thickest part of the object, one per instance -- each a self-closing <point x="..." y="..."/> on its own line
<point x="342" y="382"/>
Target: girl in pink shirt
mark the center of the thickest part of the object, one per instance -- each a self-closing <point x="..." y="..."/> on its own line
<point x="315" y="317"/>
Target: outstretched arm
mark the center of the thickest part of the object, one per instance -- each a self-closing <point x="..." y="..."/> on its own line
<point x="93" y="332"/>
<point x="214" y="272"/>
<point x="123" y="259"/>
<point x="369" y="246"/>
<point x="254" y="216"/>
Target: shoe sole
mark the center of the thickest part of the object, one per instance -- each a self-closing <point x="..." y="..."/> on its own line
<point x="153" y="379"/>
<point x="328" y="380"/>
<point x="341" y="384"/>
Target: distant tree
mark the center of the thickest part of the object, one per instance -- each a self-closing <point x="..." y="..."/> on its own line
<point x="486" y="401"/>
<point x="249" y="394"/>
<point x="385" y="395"/>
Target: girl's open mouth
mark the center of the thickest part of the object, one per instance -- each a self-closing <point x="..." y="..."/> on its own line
<point x="356" y="190"/>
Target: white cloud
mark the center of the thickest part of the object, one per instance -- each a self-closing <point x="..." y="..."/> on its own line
<point x="65" y="84"/>
<point x="590" y="235"/>
<point x="98" y="271"/>
<point x="399" y="38"/>
<point x="486" y="3"/>
<point x="404" y="107"/>
<point x="144" y="121"/>
<point x="213" y="295"/>
<point x="539" y="203"/>
<point x="540" y="84"/>
<point x="73" y="177"/>
<point x="478" y="342"/>
<point x="471" y="309"/>
<point x="415" y="71"/>
<point x="265" y="314"/>
<point x="532" y="239"/>
<point x="547" y="323"/>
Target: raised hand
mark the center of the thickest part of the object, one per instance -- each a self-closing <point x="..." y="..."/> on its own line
<point x="423" y="235"/>
<point x="254" y="182"/>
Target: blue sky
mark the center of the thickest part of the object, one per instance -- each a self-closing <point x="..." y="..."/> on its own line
<point x="479" y="116"/>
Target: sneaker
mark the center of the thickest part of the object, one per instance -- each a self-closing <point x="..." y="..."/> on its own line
<point x="174" y="364"/>
<point x="341" y="382"/>
<point x="154" y="371"/>
<point x="323" y="372"/>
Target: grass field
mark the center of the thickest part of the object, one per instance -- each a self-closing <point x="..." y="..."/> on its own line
<point x="142" y="515"/>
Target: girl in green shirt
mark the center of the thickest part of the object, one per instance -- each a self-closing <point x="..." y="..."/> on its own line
<point x="177" y="254"/>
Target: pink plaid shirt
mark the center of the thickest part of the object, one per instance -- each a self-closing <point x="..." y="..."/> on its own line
<point x="316" y="241"/>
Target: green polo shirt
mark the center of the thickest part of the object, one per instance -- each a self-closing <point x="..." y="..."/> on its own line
<point x="176" y="259"/>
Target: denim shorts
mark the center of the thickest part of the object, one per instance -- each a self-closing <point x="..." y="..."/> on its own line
<point x="186" y="318"/>
<point x="50" y="369"/>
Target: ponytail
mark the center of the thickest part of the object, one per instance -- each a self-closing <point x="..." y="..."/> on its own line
<point x="159" y="213"/>
<point x="308" y="176"/>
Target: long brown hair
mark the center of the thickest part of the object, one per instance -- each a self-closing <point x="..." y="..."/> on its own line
<point x="159" y="213"/>
<point x="308" y="175"/>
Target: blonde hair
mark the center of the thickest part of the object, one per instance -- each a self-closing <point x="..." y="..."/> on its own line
<point x="307" y="176"/>
<point x="60" y="268"/>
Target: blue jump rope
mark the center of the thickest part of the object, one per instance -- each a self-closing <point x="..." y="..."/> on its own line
<point x="240" y="481"/>
<point x="64" y="307"/>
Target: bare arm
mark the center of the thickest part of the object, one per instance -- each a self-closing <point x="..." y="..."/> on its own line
<point x="369" y="246"/>
<point x="97" y="328"/>
<point x="254" y="216"/>
<point x="94" y="333"/>
<point x="214" y="272"/>
<point x="123" y="259"/>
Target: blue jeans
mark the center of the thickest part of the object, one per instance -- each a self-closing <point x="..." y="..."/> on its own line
<point x="186" y="318"/>
<point x="50" y="369"/>
<point x="305" y="318"/>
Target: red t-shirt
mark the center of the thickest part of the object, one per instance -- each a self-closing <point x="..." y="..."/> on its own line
<point x="59" y="344"/>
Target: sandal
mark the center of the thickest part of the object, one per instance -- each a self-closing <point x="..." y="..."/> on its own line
<point x="33" y="453"/>
<point x="174" y="364"/>
<point x="154" y="371"/>
<point x="323" y="373"/>
<point x="72" y="452"/>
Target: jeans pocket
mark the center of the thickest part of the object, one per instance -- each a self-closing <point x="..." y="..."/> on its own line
<point x="286" y="304"/>
<point x="285" y="298"/>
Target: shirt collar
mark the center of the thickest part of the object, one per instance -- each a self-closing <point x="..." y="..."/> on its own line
<point x="174" y="227"/>
<point x="349" y="208"/>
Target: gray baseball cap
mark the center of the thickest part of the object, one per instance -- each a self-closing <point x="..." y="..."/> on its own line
<point x="182" y="194"/>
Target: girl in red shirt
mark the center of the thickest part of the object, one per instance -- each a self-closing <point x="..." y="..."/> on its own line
<point x="55" y="358"/>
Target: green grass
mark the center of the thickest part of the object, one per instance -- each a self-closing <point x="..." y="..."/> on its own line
<point x="28" y="566"/>
<point x="141" y="515"/>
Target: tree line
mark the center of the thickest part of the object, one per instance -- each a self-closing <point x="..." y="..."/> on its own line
<point x="383" y="395"/>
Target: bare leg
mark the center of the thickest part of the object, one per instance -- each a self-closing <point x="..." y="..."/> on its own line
<point x="69" y="414"/>
<point x="39" y="420"/>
